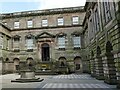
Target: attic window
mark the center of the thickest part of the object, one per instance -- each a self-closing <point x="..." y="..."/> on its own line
<point x="44" y="22"/>
<point x="29" y="23"/>
<point x="16" y="24"/>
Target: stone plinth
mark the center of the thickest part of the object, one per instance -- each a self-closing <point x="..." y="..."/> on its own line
<point x="27" y="76"/>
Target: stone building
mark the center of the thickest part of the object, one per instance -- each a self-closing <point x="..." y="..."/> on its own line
<point x="5" y="37"/>
<point x="77" y="39"/>
<point x="50" y="39"/>
<point x="102" y="40"/>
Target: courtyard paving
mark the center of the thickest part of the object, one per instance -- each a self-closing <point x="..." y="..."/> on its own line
<point x="64" y="82"/>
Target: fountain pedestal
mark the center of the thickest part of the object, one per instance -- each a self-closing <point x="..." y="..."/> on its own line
<point x="27" y="76"/>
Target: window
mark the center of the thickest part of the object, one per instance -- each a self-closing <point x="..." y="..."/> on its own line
<point x="1" y="42"/>
<point x="44" y="22"/>
<point x="76" y="41"/>
<point x="5" y="23"/>
<point x="75" y="20"/>
<point x="107" y="13"/>
<point x="16" y="24"/>
<point x="8" y="44"/>
<point x="97" y="21"/>
<point x="16" y="43"/>
<point x="60" y="21"/>
<point x="29" y="42"/>
<point x="29" y="23"/>
<point x="61" y="42"/>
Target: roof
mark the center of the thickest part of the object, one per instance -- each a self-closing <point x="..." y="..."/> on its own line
<point x="44" y="12"/>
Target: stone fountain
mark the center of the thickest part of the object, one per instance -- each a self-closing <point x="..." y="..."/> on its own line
<point x="27" y="74"/>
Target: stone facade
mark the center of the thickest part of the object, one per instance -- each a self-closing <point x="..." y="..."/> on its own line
<point x="45" y="36"/>
<point x="102" y="40"/>
<point x="97" y="24"/>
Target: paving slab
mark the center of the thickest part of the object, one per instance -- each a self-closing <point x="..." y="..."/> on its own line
<point x="70" y="81"/>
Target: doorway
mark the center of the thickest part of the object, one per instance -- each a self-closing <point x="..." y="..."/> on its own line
<point x="45" y="52"/>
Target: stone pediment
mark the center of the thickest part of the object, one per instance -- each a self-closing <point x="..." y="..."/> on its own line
<point x="45" y="35"/>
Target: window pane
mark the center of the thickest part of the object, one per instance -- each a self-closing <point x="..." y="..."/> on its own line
<point x="107" y="12"/>
<point x="76" y="41"/>
<point x="1" y="42"/>
<point x="16" y="43"/>
<point x="44" y="22"/>
<point x="61" y="42"/>
<point x="16" y="24"/>
<point x="60" y="21"/>
<point x="8" y="42"/>
<point x="29" y="43"/>
<point x="29" y="23"/>
<point x="75" y="20"/>
<point x="5" y="23"/>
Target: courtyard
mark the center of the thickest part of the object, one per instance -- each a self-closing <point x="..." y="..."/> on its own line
<point x="67" y="81"/>
<point x="80" y="45"/>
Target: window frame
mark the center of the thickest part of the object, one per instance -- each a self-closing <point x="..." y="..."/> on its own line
<point x="107" y="12"/>
<point x="16" y="24"/>
<point x="29" y="23"/>
<point x="28" y="45"/>
<point x="74" y="21"/>
<point x="61" y="42"/>
<point x="2" y="42"/>
<point x="97" y="20"/>
<point x="16" y="42"/>
<point x="76" y="44"/>
<point x="60" y="21"/>
<point x="44" y="22"/>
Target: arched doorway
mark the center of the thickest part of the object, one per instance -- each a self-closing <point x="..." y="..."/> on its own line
<point x="45" y="52"/>
<point x="109" y="69"/>
<point x="78" y="64"/>
<point x="99" y="65"/>
<point x="16" y="64"/>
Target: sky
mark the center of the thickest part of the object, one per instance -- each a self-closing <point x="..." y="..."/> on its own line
<point x="10" y="6"/>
